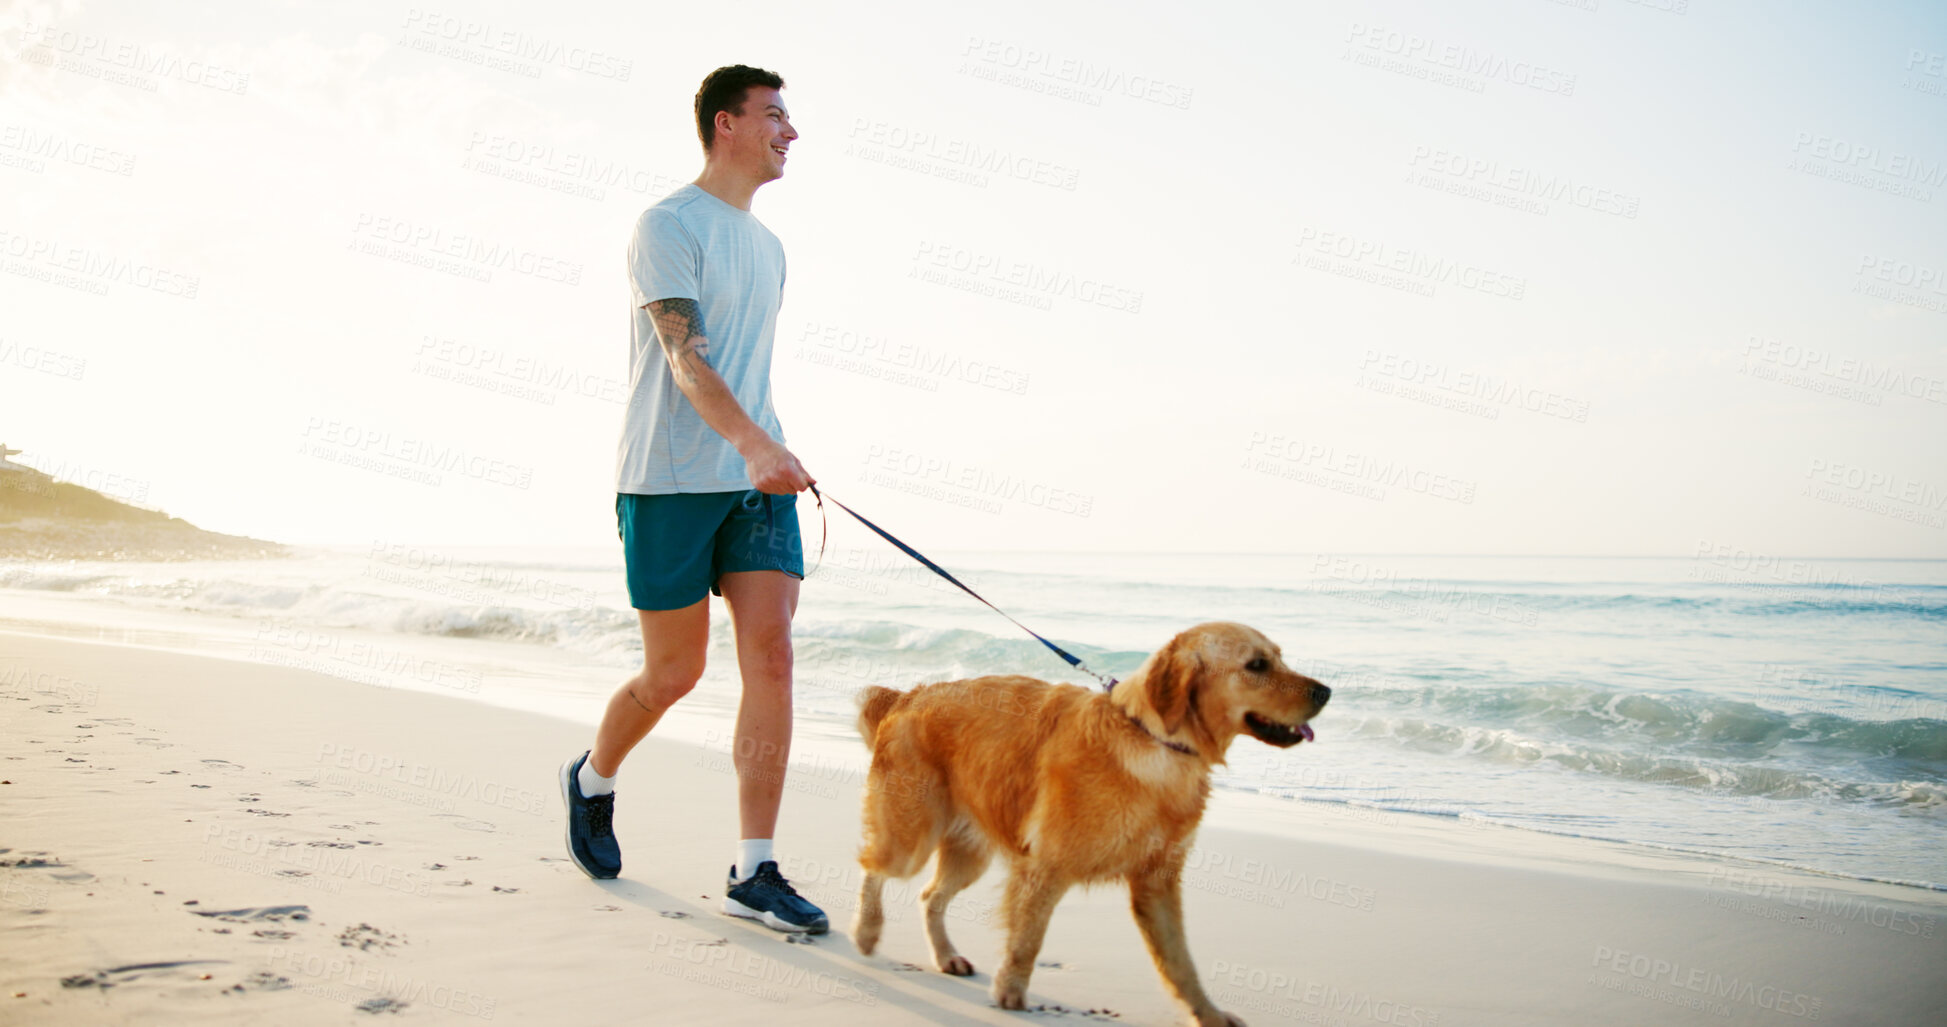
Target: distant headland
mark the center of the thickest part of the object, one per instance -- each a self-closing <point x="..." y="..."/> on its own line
<point x="45" y="519"/>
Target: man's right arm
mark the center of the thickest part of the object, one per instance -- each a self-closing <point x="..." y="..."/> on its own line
<point x="680" y="330"/>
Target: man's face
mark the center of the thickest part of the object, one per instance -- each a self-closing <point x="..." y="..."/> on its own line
<point x="759" y="136"/>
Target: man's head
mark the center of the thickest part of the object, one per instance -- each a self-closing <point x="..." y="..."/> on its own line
<point x="740" y="118"/>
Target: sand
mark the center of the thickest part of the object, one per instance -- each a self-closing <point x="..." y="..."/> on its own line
<point x="193" y="840"/>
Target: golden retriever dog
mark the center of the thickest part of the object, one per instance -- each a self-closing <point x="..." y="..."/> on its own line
<point x="1070" y="785"/>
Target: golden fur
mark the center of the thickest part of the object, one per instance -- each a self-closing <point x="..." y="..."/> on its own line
<point x="1069" y="785"/>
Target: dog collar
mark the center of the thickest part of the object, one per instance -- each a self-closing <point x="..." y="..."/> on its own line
<point x="1166" y="743"/>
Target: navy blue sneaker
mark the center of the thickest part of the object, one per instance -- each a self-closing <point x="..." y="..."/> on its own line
<point x="591" y="836"/>
<point x="769" y="899"/>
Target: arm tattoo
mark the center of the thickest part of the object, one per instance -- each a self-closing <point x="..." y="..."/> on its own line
<point x="679" y="327"/>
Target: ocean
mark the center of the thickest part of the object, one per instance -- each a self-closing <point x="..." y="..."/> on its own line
<point x="1778" y="711"/>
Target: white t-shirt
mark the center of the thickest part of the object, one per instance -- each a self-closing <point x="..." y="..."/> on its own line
<point x="691" y="245"/>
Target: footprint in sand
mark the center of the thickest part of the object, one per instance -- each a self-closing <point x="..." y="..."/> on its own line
<point x="262" y="980"/>
<point x="273" y="934"/>
<point x="380" y="1005"/>
<point x="466" y="823"/>
<point x="330" y="845"/>
<point x="257" y="914"/>
<point x="675" y="914"/>
<point x="224" y="765"/>
<point x="123" y="974"/>
<point x="365" y="938"/>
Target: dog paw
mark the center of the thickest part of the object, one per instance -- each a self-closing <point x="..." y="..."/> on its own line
<point x="865" y="937"/>
<point x="1009" y="995"/>
<point x="956" y="964"/>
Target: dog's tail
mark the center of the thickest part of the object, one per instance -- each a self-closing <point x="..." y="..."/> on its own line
<point x="874" y="701"/>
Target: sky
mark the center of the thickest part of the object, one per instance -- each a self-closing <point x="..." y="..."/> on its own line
<point x="1519" y="277"/>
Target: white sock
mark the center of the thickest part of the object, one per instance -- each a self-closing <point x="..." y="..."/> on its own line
<point x="593" y="784"/>
<point x="751" y="852"/>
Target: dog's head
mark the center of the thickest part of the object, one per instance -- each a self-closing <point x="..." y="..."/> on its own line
<point x="1216" y="681"/>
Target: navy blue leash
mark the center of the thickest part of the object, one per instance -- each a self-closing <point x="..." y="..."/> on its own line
<point x="1108" y="683"/>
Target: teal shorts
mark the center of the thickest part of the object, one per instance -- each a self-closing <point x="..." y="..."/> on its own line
<point x="676" y="546"/>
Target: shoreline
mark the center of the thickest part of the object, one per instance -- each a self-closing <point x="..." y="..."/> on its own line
<point x="457" y="666"/>
<point x="422" y="835"/>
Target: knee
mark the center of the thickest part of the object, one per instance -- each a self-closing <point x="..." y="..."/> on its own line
<point x="770" y="654"/>
<point x="666" y="681"/>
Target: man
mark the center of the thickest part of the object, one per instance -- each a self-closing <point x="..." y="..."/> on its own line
<point x="705" y="488"/>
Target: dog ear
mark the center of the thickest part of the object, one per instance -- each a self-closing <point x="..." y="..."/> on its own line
<point x="1171" y="684"/>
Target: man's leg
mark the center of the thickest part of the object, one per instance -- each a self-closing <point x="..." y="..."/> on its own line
<point x="674" y="645"/>
<point x="762" y="604"/>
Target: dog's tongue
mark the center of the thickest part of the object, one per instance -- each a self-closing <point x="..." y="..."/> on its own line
<point x="1305" y="732"/>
